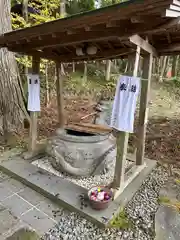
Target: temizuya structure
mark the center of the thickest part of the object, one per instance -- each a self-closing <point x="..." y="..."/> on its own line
<point x="149" y="28"/>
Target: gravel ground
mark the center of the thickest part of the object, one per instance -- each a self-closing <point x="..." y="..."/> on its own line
<point x="140" y="210"/>
<point x="103" y="179"/>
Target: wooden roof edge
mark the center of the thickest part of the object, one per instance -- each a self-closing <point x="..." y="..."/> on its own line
<point x="82" y="14"/>
<point x="86" y="16"/>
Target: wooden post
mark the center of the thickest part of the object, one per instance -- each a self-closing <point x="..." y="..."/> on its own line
<point x="60" y="100"/>
<point x="122" y="140"/>
<point x="143" y="112"/>
<point x="33" y="115"/>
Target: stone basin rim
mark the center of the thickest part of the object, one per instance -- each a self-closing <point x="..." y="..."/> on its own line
<point x="63" y="135"/>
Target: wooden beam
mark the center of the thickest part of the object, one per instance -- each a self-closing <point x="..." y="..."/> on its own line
<point x="98" y="46"/>
<point x="33" y="115"/>
<point x="100" y="34"/>
<point x="169" y="38"/>
<point x="87" y="28"/>
<point x="94" y="18"/>
<point x="47" y="54"/>
<point x="70" y="32"/>
<point x="66" y="40"/>
<point x="169" y="53"/>
<point x="176" y="2"/>
<point x="174" y="7"/>
<point x="111" y="24"/>
<point x="129" y="177"/>
<point x="136" y="64"/>
<point x="110" y="45"/>
<point x="170" y="23"/>
<point x="169" y="48"/>
<point x="137" y="40"/>
<point x="60" y="99"/>
<point x="171" y="13"/>
<point x="140" y="19"/>
<point x="53" y="35"/>
<point x="122" y="144"/>
<point x="143" y="112"/>
<point x="122" y="141"/>
<point x="68" y="50"/>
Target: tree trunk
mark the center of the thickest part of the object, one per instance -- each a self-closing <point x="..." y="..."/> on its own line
<point x="62" y="69"/>
<point x="177" y="67"/>
<point x="74" y="67"/>
<point x="25" y="10"/>
<point x="126" y="68"/>
<point x="163" y="69"/>
<point x="63" y="8"/>
<point x="47" y="99"/>
<point x="25" y="16"/>
<point x="174" y="65"/>
<point x="11" y="93"/>
<point x="108" y="70"/>
<point x="85" y="72"/>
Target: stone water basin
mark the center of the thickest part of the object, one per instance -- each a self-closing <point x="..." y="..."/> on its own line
<point x="80" y="153"/>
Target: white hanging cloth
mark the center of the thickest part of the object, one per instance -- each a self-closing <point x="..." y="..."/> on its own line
<point x="33" y="93"/>
<point x="124" y="105"/>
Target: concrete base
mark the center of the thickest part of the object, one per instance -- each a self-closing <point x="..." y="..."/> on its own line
<point x="66" y="193"/>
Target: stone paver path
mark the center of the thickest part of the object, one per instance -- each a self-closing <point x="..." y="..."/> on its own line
<point x="167" y="216"/>
<point x="22" y="206"/>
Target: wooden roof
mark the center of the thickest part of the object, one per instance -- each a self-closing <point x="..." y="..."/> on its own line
<point x="108" y="29"/>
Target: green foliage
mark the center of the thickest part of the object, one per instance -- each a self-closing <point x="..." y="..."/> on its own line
<point x="48" y="11"/>
<point x="176" y="82"/>
<point x="97" y="87"/>
<point x="177" y="181"/>
<point x="121" y="221"/>
<point x="18" y="21"/>
<point x="163" y="199"/>
<point x="78" y="6"/>
<point x="105" y="3"/>
<point x="92" y="71"/>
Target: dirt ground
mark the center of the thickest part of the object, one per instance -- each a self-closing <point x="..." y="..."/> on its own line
<point x="163" y="132"/>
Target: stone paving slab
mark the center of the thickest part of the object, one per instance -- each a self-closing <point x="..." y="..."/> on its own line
<point x="17" y="212"/>
<point x="167" y="224"/>
<point x="7" y="222"/>
<point x="24" y="234"/>
<point x="31" y="196"/>
<point x="14" y="232"/>
<point x="66" y="193"/>
<point x="13" y="185"/>
<point x="167" y="220"/>
<point x="3" y="177"/>
<point x="5" y="192"/>
<point x="16" y="205"/>
<point x="38" y="220"/>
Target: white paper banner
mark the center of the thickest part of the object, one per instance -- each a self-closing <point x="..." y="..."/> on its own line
<point x="33" y="93"/>
<point x="124" y="105"/>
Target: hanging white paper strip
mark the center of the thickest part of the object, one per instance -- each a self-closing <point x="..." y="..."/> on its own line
<point x="33" y="93"/>
<point x="124" y="105"/>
